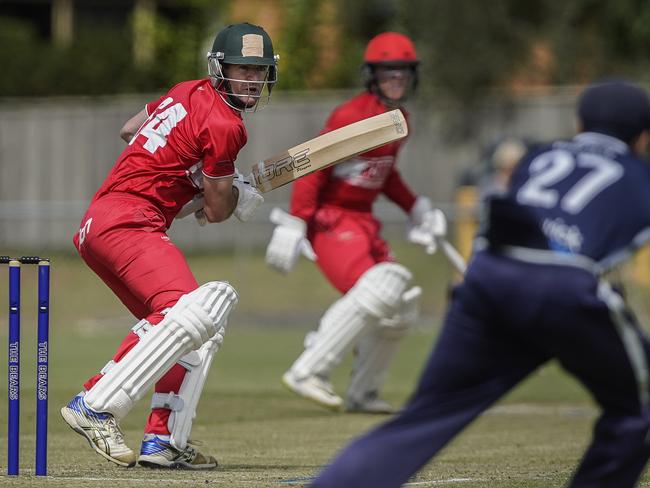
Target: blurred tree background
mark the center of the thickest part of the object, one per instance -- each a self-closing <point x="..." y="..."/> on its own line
<point x="467" y="47"/>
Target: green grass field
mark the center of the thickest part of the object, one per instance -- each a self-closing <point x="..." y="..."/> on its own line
<point x="262" y="435"/>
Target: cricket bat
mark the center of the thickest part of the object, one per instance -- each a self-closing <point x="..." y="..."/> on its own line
<point x="319" y="153"/>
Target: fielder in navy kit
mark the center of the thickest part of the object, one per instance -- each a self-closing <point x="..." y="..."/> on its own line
<point x="535" y="292"/>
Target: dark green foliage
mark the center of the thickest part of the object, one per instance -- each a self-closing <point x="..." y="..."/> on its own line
<point x="100" y="61"/>
<point x="360" y="21"/>
<point x="596" y="38"/>
<point x="297" y="44"/>
<point x="363" y="20"/>
<point x="467" y="46"/>
<point x="472" y="44"/>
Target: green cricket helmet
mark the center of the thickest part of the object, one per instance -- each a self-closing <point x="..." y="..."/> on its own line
<point x="243" y="44"/>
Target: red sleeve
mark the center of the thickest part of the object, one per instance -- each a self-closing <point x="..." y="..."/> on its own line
<point x="306" y="194"/>
<point x="397" y="190"/>
<point x="152" y="106"/>
<point x="221" y="144"/>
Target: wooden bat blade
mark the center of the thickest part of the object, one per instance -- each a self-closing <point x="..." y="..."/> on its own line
<point x="328" y="149"/>
<point x="319" y="153"/>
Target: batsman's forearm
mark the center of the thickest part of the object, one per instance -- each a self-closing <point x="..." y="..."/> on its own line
<point x="198" y="202"/>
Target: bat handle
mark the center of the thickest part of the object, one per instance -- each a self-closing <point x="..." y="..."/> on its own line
<point x="190" y="207"/>
<point x="453" y="256"/>
<point x="250" y="179"/>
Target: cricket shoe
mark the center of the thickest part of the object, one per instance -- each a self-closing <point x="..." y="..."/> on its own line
<point x="313" y="388"/>
<point x="157" y="452"/>
<point x="370" y="403"/>
<point x="100" y="430"/>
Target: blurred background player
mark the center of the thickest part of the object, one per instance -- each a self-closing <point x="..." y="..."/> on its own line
<point x="502" y="162"/>
<point x="573" y="210"/>
<point x="179" y="145"/>
<point x="331" y="216"/>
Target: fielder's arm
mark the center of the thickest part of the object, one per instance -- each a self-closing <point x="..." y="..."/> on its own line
<point x="132" y="125"/>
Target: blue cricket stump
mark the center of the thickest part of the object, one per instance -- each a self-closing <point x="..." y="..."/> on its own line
<point x="13" y="436"/>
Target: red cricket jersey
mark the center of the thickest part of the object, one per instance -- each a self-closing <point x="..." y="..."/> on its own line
<point x="190" y="132"/>
<point x="353" y="184"/>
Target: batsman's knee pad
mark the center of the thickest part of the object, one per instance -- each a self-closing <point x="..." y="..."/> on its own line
<point x="197" y="317"/>
<point x="183" y="405"/>
<point x="379" y="290"/>
<point x="396" y="326"/>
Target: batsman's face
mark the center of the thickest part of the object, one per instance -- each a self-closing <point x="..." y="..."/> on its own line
<point x="246" y="81"/>
<point x="394" y="81"/>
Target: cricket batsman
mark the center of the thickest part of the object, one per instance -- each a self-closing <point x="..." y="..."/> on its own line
<point x="331" y="221"/>
<point x="182" y="144"/>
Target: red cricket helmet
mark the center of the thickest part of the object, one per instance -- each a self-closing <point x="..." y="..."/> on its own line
<point x="391" y="48"/>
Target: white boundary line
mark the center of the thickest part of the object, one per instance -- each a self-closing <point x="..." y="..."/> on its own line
<point x="441" y="482"/>
<point x="111" y="479"/>
<point x="289" y="482"/>
<point x="194" y="481"/>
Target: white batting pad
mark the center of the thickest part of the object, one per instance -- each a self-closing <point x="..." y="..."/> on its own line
<point x="183" y="406"/>
<point x="376" y="349"/>
<point x="374" y="356"/>
<point x="378" y="290"/>
<point x="339" y="328"/>
<point x="192" y="321"/>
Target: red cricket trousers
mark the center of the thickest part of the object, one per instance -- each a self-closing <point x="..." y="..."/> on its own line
<point x="123" y="240"/>
<point x="347" y="244"/>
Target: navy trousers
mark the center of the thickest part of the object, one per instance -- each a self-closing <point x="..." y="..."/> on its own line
<point x="505" y="320"/>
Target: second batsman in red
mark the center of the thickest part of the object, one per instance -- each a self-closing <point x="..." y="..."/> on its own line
<point x="331" y="221"/>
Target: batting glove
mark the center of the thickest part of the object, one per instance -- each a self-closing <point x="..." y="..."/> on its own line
<point x="288" y="242"/>
<point x="249" y="198"/>
<point x="428" y="224"/>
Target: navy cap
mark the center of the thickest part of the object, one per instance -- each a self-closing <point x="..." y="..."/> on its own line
<point x="617" y="108"/>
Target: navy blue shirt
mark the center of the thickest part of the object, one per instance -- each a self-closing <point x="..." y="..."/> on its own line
<point x="589" y="196"/>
